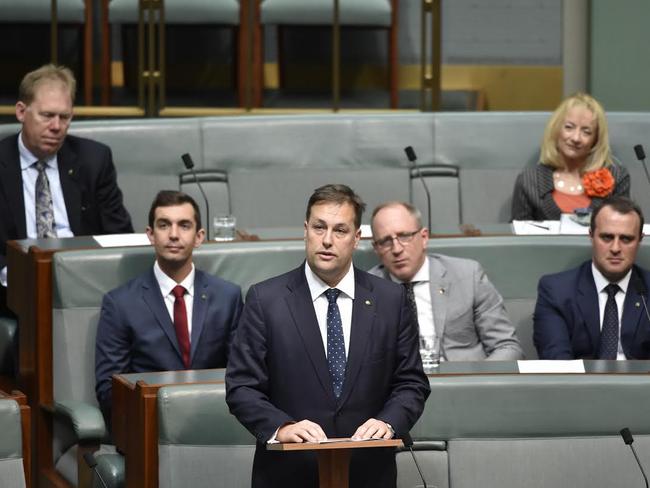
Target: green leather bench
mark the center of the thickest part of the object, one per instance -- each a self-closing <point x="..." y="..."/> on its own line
<point x="81" y="278"/>
<point x="494" y="431"/>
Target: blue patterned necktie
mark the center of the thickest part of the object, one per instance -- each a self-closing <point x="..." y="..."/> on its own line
<point x="335" y="342"/>
<point x="44" y="206"/>
<point x="609" y="332"/>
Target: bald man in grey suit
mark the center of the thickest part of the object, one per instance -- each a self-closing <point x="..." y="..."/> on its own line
<point x="453" y="296"/>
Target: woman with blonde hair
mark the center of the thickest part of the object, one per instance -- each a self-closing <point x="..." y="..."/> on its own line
<point x="575" y="170"/>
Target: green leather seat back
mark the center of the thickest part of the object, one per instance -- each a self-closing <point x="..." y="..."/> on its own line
<point x="200" y="444"/>
<point x="39" y="11"/>
<point x="180" y="12"/>
<point x="11" y="445"/>
<point x="320" y="12"/>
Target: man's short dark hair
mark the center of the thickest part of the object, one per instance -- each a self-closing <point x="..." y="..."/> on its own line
<point x="619" y="204"/>
<point x="173" y="198"/>
<point x="338" y="194"/>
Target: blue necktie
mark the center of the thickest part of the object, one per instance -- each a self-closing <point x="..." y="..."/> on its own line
<point x="335" y="342"/>
<point x="609" y="332"/>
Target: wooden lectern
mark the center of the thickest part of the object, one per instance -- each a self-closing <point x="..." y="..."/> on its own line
<point x="334" y="457"/>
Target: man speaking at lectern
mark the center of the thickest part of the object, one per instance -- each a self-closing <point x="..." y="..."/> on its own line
<point x="326" y="350"/>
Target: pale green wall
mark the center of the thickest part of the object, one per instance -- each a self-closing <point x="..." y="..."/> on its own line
<point x="620" y="54"/>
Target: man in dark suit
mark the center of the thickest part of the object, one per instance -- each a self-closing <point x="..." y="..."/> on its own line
<point x="52" y="184"/>
<point x="326" y="350"/>
<point x="452" y="298"/>
<point x="598" y="310"/>
<point x="174" y="316"/>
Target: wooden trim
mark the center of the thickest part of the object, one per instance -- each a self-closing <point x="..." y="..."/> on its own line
<point x="88" y="52"/>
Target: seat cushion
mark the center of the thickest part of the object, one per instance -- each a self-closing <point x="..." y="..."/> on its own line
<point x="180" y="12"/>
<point x="320" y="12"/>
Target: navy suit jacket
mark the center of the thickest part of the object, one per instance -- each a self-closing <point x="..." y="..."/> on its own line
<point x="277" y="373"/>
<point x="567" y="320"/>
<point x="92" y="198"/>
<point x="136" y="334"/>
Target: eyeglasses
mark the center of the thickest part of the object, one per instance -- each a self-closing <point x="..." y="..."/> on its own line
<point x="403" y="237"/>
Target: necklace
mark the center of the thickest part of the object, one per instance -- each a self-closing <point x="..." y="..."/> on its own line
<point x="570" y="187"/>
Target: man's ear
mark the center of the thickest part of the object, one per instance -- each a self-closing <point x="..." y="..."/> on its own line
<point x="20" y="111"/>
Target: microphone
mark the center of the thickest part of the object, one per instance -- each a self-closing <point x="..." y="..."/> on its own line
<point x="642" y="290"/>
<point x="410" y="154"/>
<point x="407" y="440"/>
<point x="189" y="164"/>
<point x="92" y="464"/>
<point x="628" y="439"/>
<point x="640" y="155"/>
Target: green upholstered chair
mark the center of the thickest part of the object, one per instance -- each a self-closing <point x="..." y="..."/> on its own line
<point x="12" y="473"/>
<point x="200" y="13"/>
<point x="516" y="430"/>
<point x="379" y="14"/>
<point x="69" y="13"/>
<point x="200" y="444"/>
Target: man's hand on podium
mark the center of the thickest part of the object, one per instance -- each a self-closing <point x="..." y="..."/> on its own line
<point x="373" y="429"/>
<point x="303" y="431"/>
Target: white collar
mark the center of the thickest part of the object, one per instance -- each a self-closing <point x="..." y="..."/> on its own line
<point x="601" y="282"/>
<point x="422" y="274"/>
<point x="27" y="158"/>
<point x="317" y="286"/>
<point x="167" y="284"/>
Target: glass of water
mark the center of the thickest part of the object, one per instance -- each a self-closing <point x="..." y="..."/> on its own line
<point x="224" y="227"/>
<point x="430" y="352"/>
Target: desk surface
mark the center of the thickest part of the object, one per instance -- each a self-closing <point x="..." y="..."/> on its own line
<point x="593" y="366"/>
<point x="445" y="368"/>
<point x="176" y="377"/>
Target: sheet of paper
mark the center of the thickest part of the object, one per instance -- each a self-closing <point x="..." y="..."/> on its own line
<point x="554" y="366"/>
<point x="366" y="231"/>
<point x="122" y="240"/>
<point x="569" y="227"/>
<point x="535" y="227"/>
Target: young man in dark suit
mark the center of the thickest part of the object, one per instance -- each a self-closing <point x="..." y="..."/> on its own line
<point x="174" y="316"/>
<point x="326" y="350"/>
<point x="597" y="310"/>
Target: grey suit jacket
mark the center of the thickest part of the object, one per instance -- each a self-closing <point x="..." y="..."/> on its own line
<point x="532" y="197"/>
<point x="468" y="311"/>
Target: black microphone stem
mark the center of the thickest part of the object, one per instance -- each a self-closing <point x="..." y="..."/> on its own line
<point x="640" y="155"/>
<point x="629" y="440"/>
<point x="90" y="460"/>
<point x="638" y="461"/>
<point x="189" y="164"/>
<point x="410" y="154"/>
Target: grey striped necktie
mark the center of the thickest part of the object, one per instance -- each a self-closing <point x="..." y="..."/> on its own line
<point x="44" y="206"/>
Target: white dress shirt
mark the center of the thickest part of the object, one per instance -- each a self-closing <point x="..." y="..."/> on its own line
<point x="317" y="289"/>
<point x="166" y="285"/>
<point x="422" y="292"/>
<point x="601" y="282"/>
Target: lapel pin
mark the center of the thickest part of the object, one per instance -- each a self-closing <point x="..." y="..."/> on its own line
<point x="637" y="304"/>
<point x="441" y="291"/>
<point x="70" y="171"/>
<point x="368" y="302"/>
<point x="204" y="296"/>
